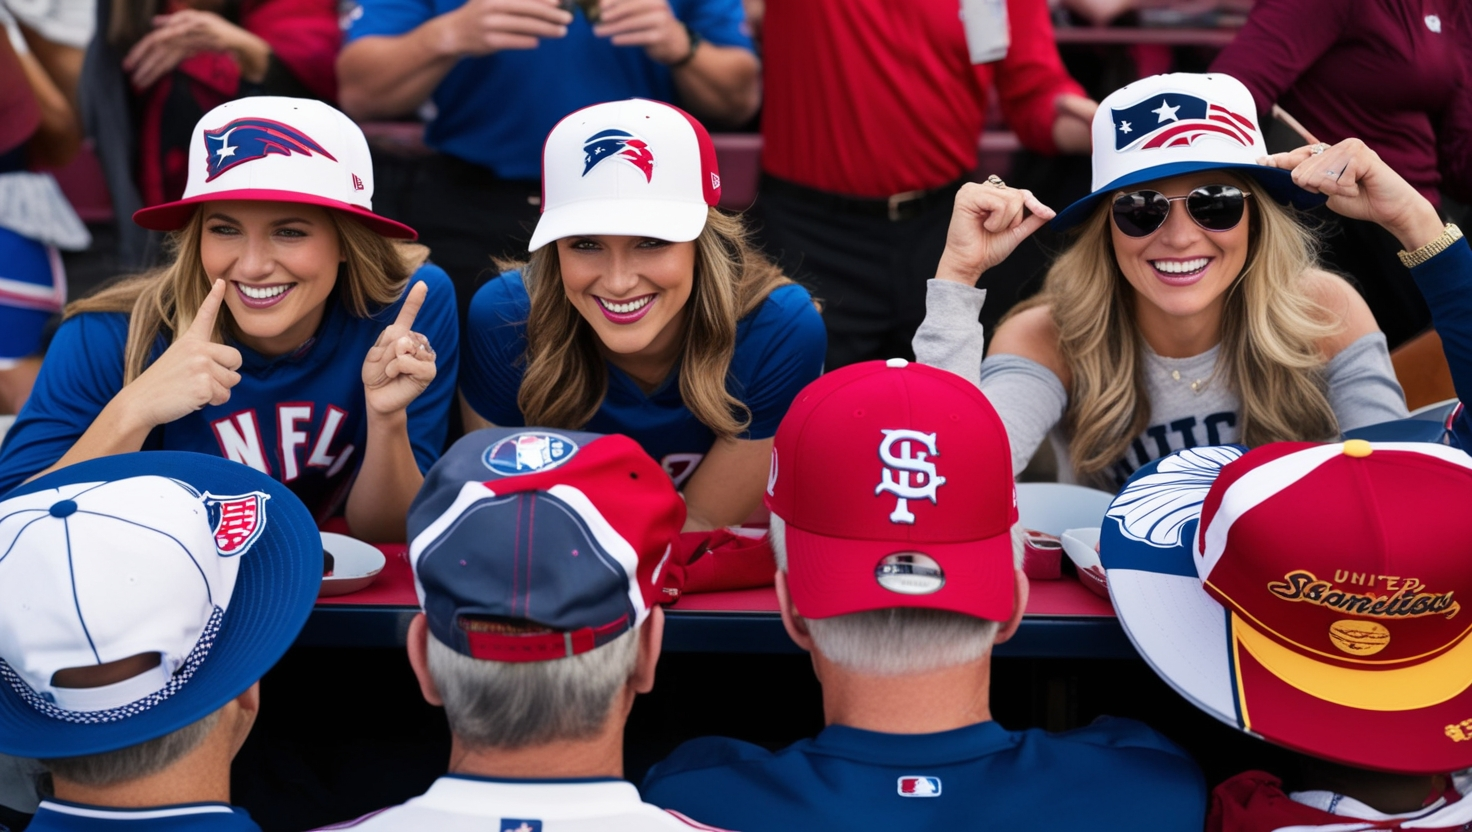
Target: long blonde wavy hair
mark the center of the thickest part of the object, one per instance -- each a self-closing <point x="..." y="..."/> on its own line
<point x="1269" y="340"/>
<point x="566" y="378"/>
<point x="163" y="301"/>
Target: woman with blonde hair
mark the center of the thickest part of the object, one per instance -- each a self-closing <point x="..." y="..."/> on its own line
<point x="284" y="335"/>
<point x="643" y="311"/>
<point x="1189" y="309"/>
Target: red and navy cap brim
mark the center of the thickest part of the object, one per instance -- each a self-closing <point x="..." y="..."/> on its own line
<point x="172" y="216"/>
<point x="274" y="593"/>
<point x="1278" y="183"/>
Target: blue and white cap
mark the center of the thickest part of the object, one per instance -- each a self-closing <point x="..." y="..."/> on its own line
<point x="209" y="565"/>
<point x="1167" y="125"/>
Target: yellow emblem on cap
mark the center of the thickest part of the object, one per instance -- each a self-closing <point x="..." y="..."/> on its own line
<point x="1359" y="638"/>
<point x="1357" y="448"/>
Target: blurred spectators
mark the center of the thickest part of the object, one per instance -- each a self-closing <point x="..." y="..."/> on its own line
<point x="873" y="114"/>
<point x="158" y="65"/>
<point x="41" y="130"/>
<point x="1395" y="73"/>
<point x="501" y="73"/>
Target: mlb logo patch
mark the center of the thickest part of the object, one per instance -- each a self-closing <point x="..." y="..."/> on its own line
<point x="520" y="825"/>
<point x="529" y="452"/>
<point x="236" y="521"/>
<point x="919" y="786"/>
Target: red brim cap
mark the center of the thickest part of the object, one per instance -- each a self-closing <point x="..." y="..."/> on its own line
<point x="171" y="216"/>
<point x="17" y="102"/>
<point x="831" y="576"/>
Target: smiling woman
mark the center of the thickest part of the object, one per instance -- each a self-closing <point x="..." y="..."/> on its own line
<point x="643" y="311"/>
<point x="295" y="331"/>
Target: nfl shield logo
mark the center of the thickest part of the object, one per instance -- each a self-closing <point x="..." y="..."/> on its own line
<point x="918" y="786"/>
<point x="237" y="521"/>
<point x="528" y="452"/>
<point x="519" y="825"/>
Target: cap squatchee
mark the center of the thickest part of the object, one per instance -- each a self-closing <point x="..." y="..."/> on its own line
<point x="634" y="168"/>
<point x="1308" y="594"/>
<point x="531" y="544"/>
<point x="894" y="482"/>
<point x="207" y="563"/>
<point x="276" y="149"/>
<point x="1182" y="122"/>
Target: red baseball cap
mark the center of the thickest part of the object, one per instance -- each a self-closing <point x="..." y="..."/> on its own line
<point x="1316" y="602"/>
<point x="894" y="481"/>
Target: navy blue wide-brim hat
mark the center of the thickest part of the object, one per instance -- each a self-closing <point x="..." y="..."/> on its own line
<point x="1168" y="125"/>
<point x="206" y="562"/>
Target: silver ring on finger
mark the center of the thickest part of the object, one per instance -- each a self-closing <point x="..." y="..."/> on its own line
<point x="1316" y="149"/>
<point x="996" y="182"/>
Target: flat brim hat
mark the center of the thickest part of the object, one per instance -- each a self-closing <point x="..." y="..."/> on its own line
<point x="1169" y="125"/>
<point x="634" y="168"/>
<point x="276" y="149"/>
<point x="255" y="521"/>
<point x="1309" y="595"/>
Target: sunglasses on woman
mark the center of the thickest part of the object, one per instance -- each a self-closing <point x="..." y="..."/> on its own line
<point x="1213" y="207"/>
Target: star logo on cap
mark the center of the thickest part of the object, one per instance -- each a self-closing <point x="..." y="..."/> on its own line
<point x="1166" y="112"/>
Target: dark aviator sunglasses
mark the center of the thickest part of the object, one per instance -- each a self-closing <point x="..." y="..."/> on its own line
<point x="1213" y="207"/>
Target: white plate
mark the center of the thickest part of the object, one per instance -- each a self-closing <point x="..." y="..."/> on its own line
<point x="356" y="564"/>
<point x="1055" y="507"/>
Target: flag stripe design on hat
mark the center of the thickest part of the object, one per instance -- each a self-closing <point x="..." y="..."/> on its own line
<point x="894" y="482"/>
<point x="1308" y="594"/>
<point x="277" y="149"/>
<point x="529" y="544"/>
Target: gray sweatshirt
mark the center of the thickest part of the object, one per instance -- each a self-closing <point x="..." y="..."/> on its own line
<point x="1189" y="404"/>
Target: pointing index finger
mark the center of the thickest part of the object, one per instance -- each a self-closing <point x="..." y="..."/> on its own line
<point x="203" y="327"/>
<point x="410" y="310"/>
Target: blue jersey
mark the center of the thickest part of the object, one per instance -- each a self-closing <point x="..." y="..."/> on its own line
<point x="300" y="418"/>
<point x="64" y="816"/>
<point x="1113" y="775"/>
<point x="779" y="350"/>
<point x="496" y="110"/>
<point x="1446" y="282"/>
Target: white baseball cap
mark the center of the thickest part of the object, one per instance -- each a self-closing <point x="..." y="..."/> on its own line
<point x="635" y="168"/>
<point x="1167" y="125"/>
<point x="277" y="149"/>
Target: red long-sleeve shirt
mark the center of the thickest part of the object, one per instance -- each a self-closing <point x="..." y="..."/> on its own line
<point x="877" y="97"/>
<point x="1395" y="73"/>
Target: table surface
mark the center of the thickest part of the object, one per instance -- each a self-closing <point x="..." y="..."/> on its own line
<point x="1063" y="619"/>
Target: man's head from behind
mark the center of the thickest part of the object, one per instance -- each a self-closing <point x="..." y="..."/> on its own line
<point x="894" y="521"/>
<point x="141" y="597"/>
<point x="537" y="557"/>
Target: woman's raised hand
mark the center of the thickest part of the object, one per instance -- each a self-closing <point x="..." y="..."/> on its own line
<point x="987" y="224"/>
<point x="401" y="363"/>
<point x="193" y="372"/>
<point x="1361" y="186"/>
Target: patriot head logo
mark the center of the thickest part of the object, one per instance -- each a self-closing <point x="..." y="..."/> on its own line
<point x="528" y="452"/>
<point x="912" y="786"/>
<point x="622" y="144"/>
<point x="237" y="522"/>
<point x="247" y="139"/>
<point x="1177" y="120"/>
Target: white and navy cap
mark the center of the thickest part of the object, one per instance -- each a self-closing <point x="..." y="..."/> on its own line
<point x="277" y="149"/>
<point x="532" y="544"/>
<point x="207" y="563"/>
<point x="635" y="168"/>
<point x="1167" y="125"/>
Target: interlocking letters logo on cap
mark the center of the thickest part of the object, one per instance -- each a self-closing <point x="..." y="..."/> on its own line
<point x="237" y="521"/>
<point x="622" y="144"/>
<point x="1177" y="120"/>
<point x="247" y="139"/>
<point x="909" y="475"/>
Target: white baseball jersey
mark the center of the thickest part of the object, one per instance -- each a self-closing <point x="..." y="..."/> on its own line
<point x="462" y="803"/>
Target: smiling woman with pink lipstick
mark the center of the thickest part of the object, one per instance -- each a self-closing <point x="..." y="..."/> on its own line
<point x="643" y="311"/>
<point x="1190" y="308"/>
<point x="292" y="333"/>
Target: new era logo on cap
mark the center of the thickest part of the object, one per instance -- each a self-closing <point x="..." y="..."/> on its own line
<point x="894" y="484"/>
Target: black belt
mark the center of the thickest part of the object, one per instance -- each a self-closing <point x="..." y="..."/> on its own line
<point x="896" y="208"/>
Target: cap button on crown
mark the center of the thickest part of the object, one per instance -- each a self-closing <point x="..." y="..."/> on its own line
<point x="897" y="363"/>
<point x="1357" y="448"/>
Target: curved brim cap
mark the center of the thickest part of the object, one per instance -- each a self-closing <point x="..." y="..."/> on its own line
<point x="1169" y="125"/>
<point x="1224" y="663"/>
<point x="274" y="593"/>
<point x="634" y="168"/>
<point x="277" y="149"/>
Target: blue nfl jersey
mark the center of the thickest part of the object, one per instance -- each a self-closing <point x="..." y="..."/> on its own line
<point x="300" y="418"/>
<point x="779" y="350"/>
<point x="1116" y="774"/>
<point x="62" y="816"/>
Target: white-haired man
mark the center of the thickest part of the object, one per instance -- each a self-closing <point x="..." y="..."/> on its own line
<point x="540" y="586"/>
<point x="893" y="520"/>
